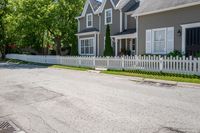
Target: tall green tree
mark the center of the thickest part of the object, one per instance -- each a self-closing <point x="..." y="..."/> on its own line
<point x="108" y="48"/>
<point x="60" y="21"/>
<point x="3" y="12"/>
<point x="36" y="23"/>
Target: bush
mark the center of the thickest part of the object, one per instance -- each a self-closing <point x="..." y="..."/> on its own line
<point x="197" y="54"/>
<point x="175" y="54"/>
<point x="108" y="48"/>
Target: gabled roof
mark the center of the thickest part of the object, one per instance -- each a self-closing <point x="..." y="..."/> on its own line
<point x="104" y="3"/>
<point x="127" y="31"/>
<point x="88" y="30"/>
<point x="153" y="6"/>
<point x="98" y="7"/>
<point x="117" y="1"/>
<point x="95" y="4"/>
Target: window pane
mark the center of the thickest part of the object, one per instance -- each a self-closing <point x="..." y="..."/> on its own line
<point x="89" y="18"/>
<point x="91" y="50"/>
<point x="159" y="47"/>
<point x="159" y="35"/>
<point x="159" y="41"/>
<point x="82" y="46"/>
<point x="91" y="46"/>
<point x="89" y="23"/>
<point x="108" y="20"/>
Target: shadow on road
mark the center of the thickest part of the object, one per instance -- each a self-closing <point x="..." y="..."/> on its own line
<point x="7" y="65"/>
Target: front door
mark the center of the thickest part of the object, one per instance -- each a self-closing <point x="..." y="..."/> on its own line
<point x="193" y="41"/>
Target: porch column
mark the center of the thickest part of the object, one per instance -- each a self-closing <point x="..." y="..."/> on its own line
<point x="116" y="47"/>
<point x="120" y="45"/>
<point x="126" y="44"/>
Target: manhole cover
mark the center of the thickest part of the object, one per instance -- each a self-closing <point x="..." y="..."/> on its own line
<point x="9" y="127"/>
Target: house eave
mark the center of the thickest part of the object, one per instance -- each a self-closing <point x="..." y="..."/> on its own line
<point x="125" y="36"/>
<point x="87" y="33"/>
<point x="166" y="9"/>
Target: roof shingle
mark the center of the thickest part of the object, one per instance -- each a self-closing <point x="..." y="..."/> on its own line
<point x="154" y="5"/>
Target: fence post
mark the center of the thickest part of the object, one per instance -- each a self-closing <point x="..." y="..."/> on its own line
<point x="79" y="61"/>
<point x="198" y="64"/>
<point x="108" y="64"/>
<point x="123" y="63"/>
<point x="161" y="64"/>
<point x="94" y="62"/>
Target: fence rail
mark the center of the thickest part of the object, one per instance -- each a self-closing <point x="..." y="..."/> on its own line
<point x="179" y="65"/>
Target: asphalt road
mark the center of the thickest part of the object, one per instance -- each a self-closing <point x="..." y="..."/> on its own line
<point x="44" y="100"/>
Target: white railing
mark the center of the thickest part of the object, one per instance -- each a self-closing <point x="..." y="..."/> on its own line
<point x="180" y="65"/>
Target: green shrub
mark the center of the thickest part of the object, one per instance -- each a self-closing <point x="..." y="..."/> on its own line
<point x="175" y="54"/>
<point x="108" y="48"/>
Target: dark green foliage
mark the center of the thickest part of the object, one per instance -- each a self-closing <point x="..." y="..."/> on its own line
<point x="42" y="25"/>
<point x="175" y="54"/>
<point x="197" y="54"/>
<point x="3" y="38"/>
<point x="108" y="48"/>
<point x="74" y="49"/>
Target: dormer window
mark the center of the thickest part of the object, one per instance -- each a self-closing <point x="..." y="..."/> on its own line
<point x="108" y="16"/>
<point x="89" y="20"/>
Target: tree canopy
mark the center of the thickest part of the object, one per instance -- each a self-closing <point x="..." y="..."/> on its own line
<point x="39" y="24"/>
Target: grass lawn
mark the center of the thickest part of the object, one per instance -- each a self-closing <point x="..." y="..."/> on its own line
<point x="70" y="67"/>
<point x="49" y="66"/>
<point x="141" y="74"/>
<point x="169" y="77"/>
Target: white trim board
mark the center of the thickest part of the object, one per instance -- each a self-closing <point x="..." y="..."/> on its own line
<point x="126" y="36"/>
<point x="87" y="33"/>
<point x="184" y="27"/>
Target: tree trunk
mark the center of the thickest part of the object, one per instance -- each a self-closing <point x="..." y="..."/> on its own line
<point x="58" y="45"/>
<point x="3" y="55"/>
<point x="3" y="52"/>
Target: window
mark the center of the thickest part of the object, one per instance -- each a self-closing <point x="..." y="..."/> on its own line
<point x="89" y="20"/>
<point x="160" y="41"/>
<point x="108" y="16"/>
<point x="87" y="47"/>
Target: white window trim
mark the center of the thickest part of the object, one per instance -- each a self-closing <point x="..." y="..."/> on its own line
<point x="105" y="17"/>
<point x="184" y="27"/>
<point x="94" y="50"/>
<point x="91" y="20"/>
<point x="153" y="31"/>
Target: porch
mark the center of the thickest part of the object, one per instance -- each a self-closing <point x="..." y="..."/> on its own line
<point x="124" y="43"/>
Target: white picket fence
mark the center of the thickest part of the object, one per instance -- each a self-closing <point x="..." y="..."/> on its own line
<point x="180" y="65"/>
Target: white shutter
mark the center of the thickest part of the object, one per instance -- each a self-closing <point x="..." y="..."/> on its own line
<point x="170" y="39"/>
<point x="148" y="42"/>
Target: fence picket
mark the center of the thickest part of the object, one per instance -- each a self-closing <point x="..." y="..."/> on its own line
<point x="181" y="65"/>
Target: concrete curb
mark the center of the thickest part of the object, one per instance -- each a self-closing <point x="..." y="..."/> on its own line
<point x="188" y="85"/>
<point x="171" y="83"/>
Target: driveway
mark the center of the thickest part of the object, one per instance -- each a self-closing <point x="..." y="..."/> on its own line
<point x="45" y="100"/>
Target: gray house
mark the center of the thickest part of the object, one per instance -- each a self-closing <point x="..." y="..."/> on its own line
<point x="140" y="26"/>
